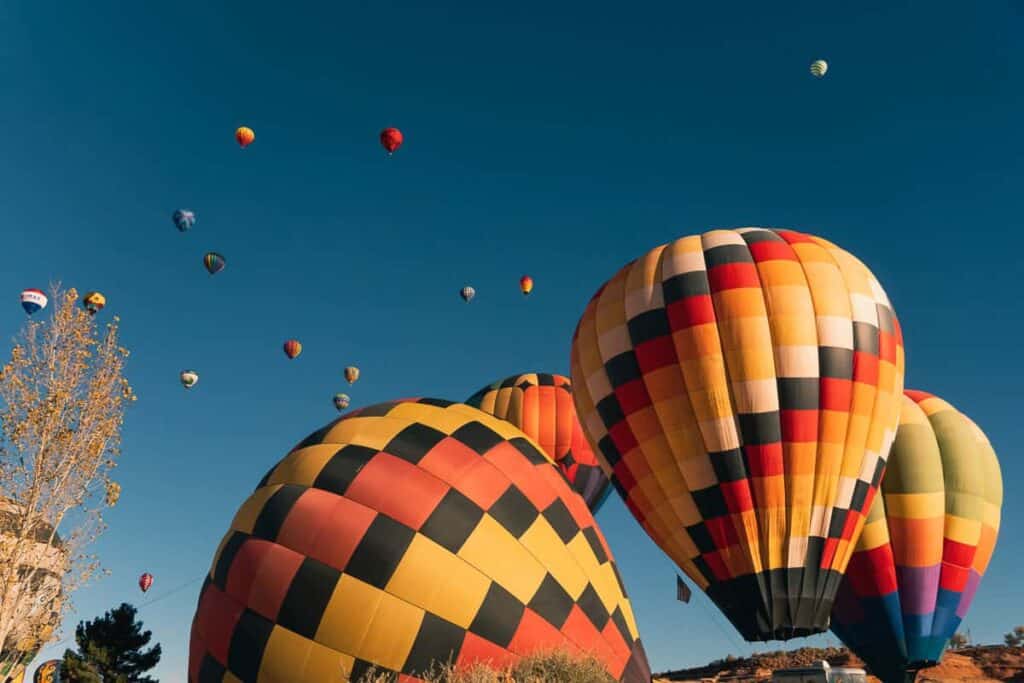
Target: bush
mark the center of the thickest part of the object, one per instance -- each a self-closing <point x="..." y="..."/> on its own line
<point x="1015" y="638"/>
<point x="552" y="667"/>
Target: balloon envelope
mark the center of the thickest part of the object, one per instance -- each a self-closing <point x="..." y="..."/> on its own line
<point x="404" y="534"/>
<point x="351" y="374"/>
<point x="33" y="300"/>
<point x="189" y="378"/>
<point x="741" y="388"/>
<point x="184" y="219"/>
<point x="145" y="581"/>
<point x="292" y="348"/>
<point x="214" y="262"/>
<point x="49" y="672"/>
<point x="391" y="139"/>
<point x="541" y="406"/>
<point x="928" y="540"/>
<point x="244" y="136"/>
<point x="341" y="401"/>
<point x="93" y="302"/>
<point x="467" y="294"/>
<point x="526" y="284"/>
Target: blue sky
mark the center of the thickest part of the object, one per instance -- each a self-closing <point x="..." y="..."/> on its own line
<point x="560" y="140"/>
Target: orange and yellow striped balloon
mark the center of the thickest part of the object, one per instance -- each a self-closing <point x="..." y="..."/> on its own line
<point x="741" y="388"/>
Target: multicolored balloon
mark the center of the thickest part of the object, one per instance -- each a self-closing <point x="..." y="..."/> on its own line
<point x="49" y="672"/>
<point x="742" y="389"/>
<point x="244" y="136"/>
<point x="33" y="300"/>
<point x="467" y="293"/>
<point x="184" y="219"/>
<point x="526" y="284"/>
<point x="214" y="262"/>
<point x="341" y="401"/>
<point x="189" y="378"/>
<point x="145" y="582"/>
<point x="927" y="543"/>
<point x="391" y="139"/>
<point x="292" y="348"/>
<point x="405" y="535"/>
<point x="93" y="302"/>
<point x="819" y="68"/>
<point x="351" y="374"/>
<point x="541" y="406"/>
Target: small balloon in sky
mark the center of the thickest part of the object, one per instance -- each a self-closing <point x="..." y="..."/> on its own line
<point x="292" y="348"/>
<point x="467" y="293"/>
<point x="818" y="68"/>
<point x="189" y="378"/>
<point x="93" y="302"/>
<point x="184" y="219"/>
<point x="526" y="284"/>
<point x="33" y="300"/>
<point x="391" y="139"/>
<point x="214" y="262"/>
<point x="244" y="136"/>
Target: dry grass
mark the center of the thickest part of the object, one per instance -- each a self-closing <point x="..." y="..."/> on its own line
<point x="552" y="667"/>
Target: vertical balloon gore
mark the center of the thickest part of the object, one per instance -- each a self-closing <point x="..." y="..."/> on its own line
<point x="741" y="389"/>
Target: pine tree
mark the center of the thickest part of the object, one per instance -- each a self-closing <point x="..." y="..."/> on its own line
<point x="110" y="650"/>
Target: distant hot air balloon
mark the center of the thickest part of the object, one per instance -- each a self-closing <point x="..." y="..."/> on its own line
<point x="818" y="68"/>
<point x="391" y="139"/>
<point x="351" y="374"/>
<point x="467" y="294"/>
<point x="292" y="348"/>
<point x="927" y="542"/>
<point x="145" y="581"/>
<point x="214" y="262"/>
<point x="341" y="401"/>
<point x="742" y="388"/>
<point x="526" y="284"/>
<point x="49" y="672"/>
<point x="244" y="135"/>
<point x="93" y="302"/>
<point x="404" y="535"/>
<point x="184" y="219"/>
<point x="189" y="378"/>
<point x="541" y="405"/>
<point x="33" y="300"/>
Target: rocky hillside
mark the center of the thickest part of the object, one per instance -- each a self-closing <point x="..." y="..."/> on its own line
<point x="988" y="664"/>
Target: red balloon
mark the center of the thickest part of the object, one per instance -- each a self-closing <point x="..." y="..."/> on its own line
<point x="391" y="139"/>
<point x="292" y="348"/>
<point x="145" y="581"/>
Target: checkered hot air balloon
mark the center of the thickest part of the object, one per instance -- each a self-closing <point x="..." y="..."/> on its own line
<point x="404" y="534"/>
<point x="541" y="405"/>
<point x="927" y="542"/>
<point x="741" y="388"/>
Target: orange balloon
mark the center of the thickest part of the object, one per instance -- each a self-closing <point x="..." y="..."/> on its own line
<point x="244" y="135"/>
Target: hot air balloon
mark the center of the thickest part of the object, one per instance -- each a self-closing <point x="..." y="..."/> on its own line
<point x="351" y="374"/>
<point x="391" y="139"/>
<point x="541" y="406"/>
<point x="145" y="581"/>
<point x="927" y="542"/>
<point x="818" y="68"/>
<point x="292" y="348"/>
<point x="244" y="136"/>
<point x="33" y="300"/>
<point x="467" y="294"/>
<point x="404" y="534"/>
<point x="214" y="262"/>
<point x="49" y="672"/>
<point x="93" y="302"/>
<point x="741" y="388"/>
<point x="341" y="401"/>
<point x="189" y="378"/>
<point x="184" y="220"/>
<point x="526" y="284"/>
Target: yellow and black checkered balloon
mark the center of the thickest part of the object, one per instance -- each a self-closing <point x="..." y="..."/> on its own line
<point x="404" y="534"/>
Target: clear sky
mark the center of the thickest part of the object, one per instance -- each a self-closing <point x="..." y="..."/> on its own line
<point x="556" y="139"/>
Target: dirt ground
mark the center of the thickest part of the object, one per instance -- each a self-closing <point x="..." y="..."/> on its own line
<point x="987" y="664"/>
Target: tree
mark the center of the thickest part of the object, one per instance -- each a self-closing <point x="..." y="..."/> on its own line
<point x="62" y="401"/>
<point x="110" y="650"/>
<point x="958" y="641"/>
<point x="1015" y="638"/>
